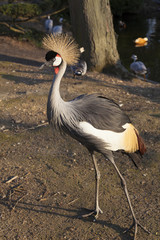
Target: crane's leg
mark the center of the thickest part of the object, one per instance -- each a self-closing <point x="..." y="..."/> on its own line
<point x="97" y="177"/>
<point x="124" y="185"/>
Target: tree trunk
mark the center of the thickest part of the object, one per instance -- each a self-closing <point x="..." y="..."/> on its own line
<point x="93" y="29"/>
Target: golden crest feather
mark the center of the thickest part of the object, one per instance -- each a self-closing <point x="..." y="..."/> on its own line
<point x="64" y="45"/>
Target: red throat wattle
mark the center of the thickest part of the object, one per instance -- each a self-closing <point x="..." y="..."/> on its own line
<point x="56" y="70"/>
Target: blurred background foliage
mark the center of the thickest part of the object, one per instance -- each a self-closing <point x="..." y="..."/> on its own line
<point x="25" y="19"/>
<point x="20" y="19"/>
<point x="15" y="11"/>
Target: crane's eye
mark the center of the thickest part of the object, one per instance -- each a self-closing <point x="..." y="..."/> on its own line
<point x="50" y="55"/>
<point x="57" y="61"/>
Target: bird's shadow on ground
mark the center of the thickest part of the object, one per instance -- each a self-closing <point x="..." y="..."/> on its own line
<point x="67" y="213"/>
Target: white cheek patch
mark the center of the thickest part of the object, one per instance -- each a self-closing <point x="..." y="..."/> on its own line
<point x="57" y="61"/>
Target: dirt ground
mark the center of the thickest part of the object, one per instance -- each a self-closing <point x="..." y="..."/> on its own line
<point x="47" y="180"/>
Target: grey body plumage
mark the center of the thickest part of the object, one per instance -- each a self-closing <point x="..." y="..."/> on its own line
<point x="97" y="110"/>
<point x="95" y="121"/>
<point x="93" y="109"/>
<point x="79" y="69"/>
<point x="48" y="25"/>
<point x="138" y="67"/>
<point x="58" y="29"/>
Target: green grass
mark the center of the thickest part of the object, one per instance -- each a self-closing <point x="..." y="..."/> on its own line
<point x="31" y="35"/>
<point x="9" y="138"/>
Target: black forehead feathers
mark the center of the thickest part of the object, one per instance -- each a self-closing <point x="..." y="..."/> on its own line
<point x="50" y="55"/>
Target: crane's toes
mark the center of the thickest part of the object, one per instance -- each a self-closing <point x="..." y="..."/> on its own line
<point x="135" y="224"/>
<point x="144" y="228"/>
<point x="94" y="213"/>
<point x="91" y="213"/>
<point x="98" y="210"/>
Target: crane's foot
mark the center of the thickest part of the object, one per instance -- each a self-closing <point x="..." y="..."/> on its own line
<point x="94" y="213"/>
<point x="135" y="224"/>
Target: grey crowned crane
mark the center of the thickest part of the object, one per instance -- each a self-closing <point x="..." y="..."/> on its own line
<point x="80" y="68"/>
<point x="138" y="67"/>
<point x="95" y="121"/>
<point x="58" y="29"/>
<point x="48" y="25"/>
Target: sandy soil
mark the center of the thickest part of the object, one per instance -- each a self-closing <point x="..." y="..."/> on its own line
<point x="47" y="180"/>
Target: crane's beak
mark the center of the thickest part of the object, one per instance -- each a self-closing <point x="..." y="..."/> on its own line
<point x="45" y="64"/>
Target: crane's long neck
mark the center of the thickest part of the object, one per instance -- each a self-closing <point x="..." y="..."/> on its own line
<point x="54" y="95"/>
<point x="55" y="105"/>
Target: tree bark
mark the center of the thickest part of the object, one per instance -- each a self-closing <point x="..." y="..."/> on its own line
<point x="93" y="29"/>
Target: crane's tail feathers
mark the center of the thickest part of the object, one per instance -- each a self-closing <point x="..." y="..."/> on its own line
<point x="142" y="147"/>
<point x="64" y="45"/>
<point x="132" y="140"/>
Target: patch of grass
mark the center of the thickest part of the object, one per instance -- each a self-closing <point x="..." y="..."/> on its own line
<point x="157" y="115"/>
<point x="17" y="10"/>
<point x="31" y="35"/>
<point x="9" y="138"/>
<point x="11" y="103"/>
<point x="4" y="64"/>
